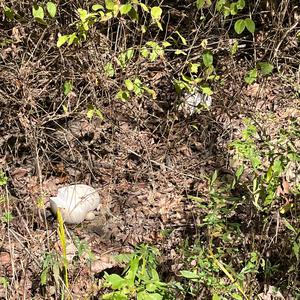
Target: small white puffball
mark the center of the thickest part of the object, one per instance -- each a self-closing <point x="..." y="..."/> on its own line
<point x="75" y="202"/>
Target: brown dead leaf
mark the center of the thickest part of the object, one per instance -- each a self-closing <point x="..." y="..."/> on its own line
<point x="253" y="90"/>
<point x="279" y="191"/>
<point x="19" y="173"/>
<point x="71" y="250"/>
<point x="15" y="33"/>
<point x="4" y="258"/>
<point x="272" y="293"/>
<point x="103" y="263"/>
<point x="286" y="186"/>
<point x="185" y="150"/>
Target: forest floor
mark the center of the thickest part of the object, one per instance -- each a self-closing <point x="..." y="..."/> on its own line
<point x="144" y="156"/>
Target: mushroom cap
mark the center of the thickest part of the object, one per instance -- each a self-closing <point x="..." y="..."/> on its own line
<point x="75" y="201"/>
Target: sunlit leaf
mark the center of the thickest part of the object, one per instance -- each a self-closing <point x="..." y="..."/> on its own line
<point x="240" y="4"/>
<point x="144" y="7"/>
<point x="9" y="13"/>
<point x="51" y="8"/>
<point x="68" y="86"/>
<point x="125" y="8"/>
<point x="38" y="12"/>
<point x="183" y="40"/>
<point x="97" y="7"/>
<point x="266" y="68"/>
<point x="188" y="274"/>
<point x="156" y="12"/>
<point x="207" y="58"/>
<point x="109" y="69"/>
<point x="250" y="25"/>
<point x="110" y="4"/>
<point x="239" y="26"/>
<point x="62" y="40"/>
<point x="251" y="76"/>
<point x="207" y="90"/>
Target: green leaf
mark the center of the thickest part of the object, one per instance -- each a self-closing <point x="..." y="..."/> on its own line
<point x="239" y="26"/>
<point x="115" y="280"/>
<point x="151" y="287"/>
<point x="125" y="57"/>
<point x="97" y="7"/>
<point x="240" y="4"/>
<point x="179" y="52"/>
<point x="132" y="272"/>
<point x="51" y="8"/>
<point x="289" y="226"/>
<point x="150" y="92"/>
<point x="237" y="296"/>
<point x="65" y="108"/>
<point x="159" y="25"/>
<point x="250" y="25"/>
<point x="83" y="14"/>
<point x="144" y="52"/>
<point x="200" y="3"/>
<point x="3" y="178"/>
<point x="129" y="54"/>
<point x="44" y="276"/>
<point x="4" y="282"/>
<point x="9" y="13"/>
<point x="216" y="297"/>
<point x="143" y="28"/>
<point x="72" y="38"/>
<point x="226" y="11"/>
<point x="129" y="85"/>
<point x="234" y="47"/>
<point x="207" y="58"/>
<point x="68" y="86"/>
<point x="203" y="3"/>
<point x="183" y="40"/>
<point x="144" y="7"/>
<point x="109" y="4"/>
<point x="38" y="12"/>
<point x="138" y="89"/>
<point x="155" y="275"/>
<point x="239" y="172"/>
<point x="7" y="217"/>
<point x="144" y="295"/>
<point x="207" y="90"/>
<point x="251" y="76"/>
<point x="277" y="167"/>
<point x="214" y="177"/>
<point x="125" y="8"/>
<point x="220" y="4"/>
<point x="62" y="39"/>
<point x="296" y="250"/>
<point x="123" y="95"/>
<point x="90" y="112"/>
<point x="194" y="68"/>
<point x="124" y="258"/>
<point x="115" y="296"/>
<point x="166" y="44"/>
<point x="233" y="8"/>
<point x="266" y="68"/>
<point x="156" y="12"/>
<point x="189" y="274"/>
<point x="109" y="69"/>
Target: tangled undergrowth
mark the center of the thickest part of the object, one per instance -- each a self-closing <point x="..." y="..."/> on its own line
<point x="184" y="115"/>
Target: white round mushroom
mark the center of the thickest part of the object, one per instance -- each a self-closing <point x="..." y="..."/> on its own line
<point x="76" y="202"/>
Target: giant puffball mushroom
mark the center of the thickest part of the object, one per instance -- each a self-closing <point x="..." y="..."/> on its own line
<point x="76" y="203"/>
